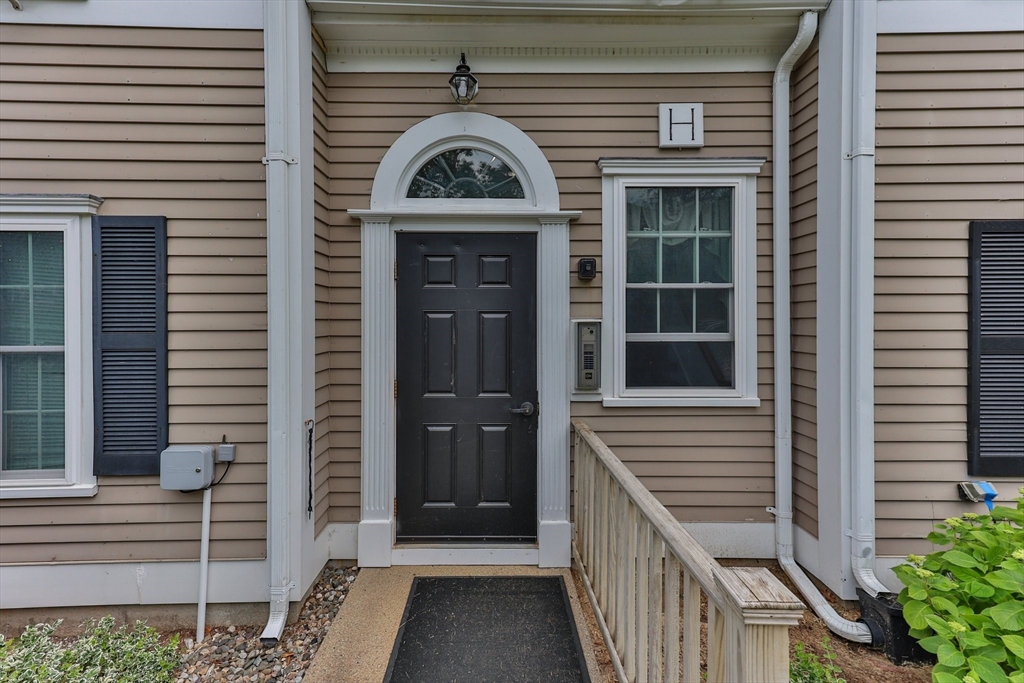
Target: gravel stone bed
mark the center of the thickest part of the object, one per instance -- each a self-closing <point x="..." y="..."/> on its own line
<point x="234" y="653"/>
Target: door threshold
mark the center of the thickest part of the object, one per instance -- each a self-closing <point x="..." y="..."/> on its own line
<point x="466" y="554"/>
<point x="453" y="545"/>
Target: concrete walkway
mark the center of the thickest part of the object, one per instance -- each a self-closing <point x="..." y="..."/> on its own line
<point x="358" y="645"/>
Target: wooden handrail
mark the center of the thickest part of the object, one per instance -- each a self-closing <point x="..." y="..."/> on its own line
<point x="633" y="552"/>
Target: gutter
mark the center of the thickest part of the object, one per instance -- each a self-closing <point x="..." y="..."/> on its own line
<point x="783" y="509"/>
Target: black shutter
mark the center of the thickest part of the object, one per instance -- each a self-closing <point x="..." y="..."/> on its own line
<point x="995" y="387"/>
<point x="129" y="343"/>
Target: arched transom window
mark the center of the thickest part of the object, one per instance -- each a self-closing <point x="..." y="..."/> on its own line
<point x="465" y="173"/>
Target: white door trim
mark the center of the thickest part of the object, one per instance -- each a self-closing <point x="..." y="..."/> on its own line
<point x="393" y="213"/>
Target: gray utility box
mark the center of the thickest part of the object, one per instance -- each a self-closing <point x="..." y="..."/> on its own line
<point x="186" y="468"/>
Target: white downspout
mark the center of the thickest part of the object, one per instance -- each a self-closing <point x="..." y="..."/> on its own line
<point x="862" y="300"/>
<point x="281" y="422"/>
<point x="783" y="509"/>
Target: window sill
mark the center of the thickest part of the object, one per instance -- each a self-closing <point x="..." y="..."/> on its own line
<point x="680" y="401"/>
<point x="37" y="489"/>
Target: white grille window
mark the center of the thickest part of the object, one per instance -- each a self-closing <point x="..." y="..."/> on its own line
<point x="45" y="348"/>
<point x="679" y="268"/>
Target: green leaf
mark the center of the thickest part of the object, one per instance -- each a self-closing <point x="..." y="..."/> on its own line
<point x="965" y="573"/>
<point x="1004" y="513"/>
<point x="994" y="556"/>
<point x="941" y="583"/>
<point x="987" y="539"/>
<point x="1014" y="644"/>
<point x="917" y="592"/>
<point x="914" y="613"/>
<point x="1009" y="615"/>
<point x="938" y="625"/>
<point x="945" y="605"/>
<point x="960" y="559"/>
<point x="950" y="656"/>
<point x="932" y="643"/>
<point x="995" y="651"/>
<point x="1017" y="677"/>
<point x="973" y="639"/>
<point x="940" y="677"/>
<point x="977" y="589"/>
<point x="987" y="670"/>
<point x="1007" y="579"/>
<point x="940" y="537"/>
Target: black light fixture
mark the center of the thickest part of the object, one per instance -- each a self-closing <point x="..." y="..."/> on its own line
<point x="463" y="83"/>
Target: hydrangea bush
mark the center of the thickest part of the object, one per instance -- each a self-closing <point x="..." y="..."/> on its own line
<point x="966" y="604"/>
<point x="102" y="654"/>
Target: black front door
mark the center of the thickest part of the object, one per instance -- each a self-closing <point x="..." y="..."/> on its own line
<point x="467" y="355"/>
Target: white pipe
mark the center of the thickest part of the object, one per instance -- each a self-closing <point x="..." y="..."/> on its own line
<point x="862" y="294"/>
<point x="783" y="509"/>
<point x="204" y="565"/>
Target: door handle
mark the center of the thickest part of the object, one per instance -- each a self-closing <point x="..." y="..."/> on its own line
<point x="525" y="409"/>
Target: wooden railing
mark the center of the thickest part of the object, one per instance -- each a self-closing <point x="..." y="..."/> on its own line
<point x="647" y="579"/>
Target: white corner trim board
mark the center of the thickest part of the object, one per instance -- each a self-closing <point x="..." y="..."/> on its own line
<point x="230" y="14"/>
<point x="129" y="583"/>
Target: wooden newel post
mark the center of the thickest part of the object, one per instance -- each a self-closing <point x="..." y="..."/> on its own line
<point x="757" y="620"/>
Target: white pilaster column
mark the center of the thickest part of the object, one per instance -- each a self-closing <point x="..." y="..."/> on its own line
<point x="554" y="371"/>
<point x="376" y="524"/>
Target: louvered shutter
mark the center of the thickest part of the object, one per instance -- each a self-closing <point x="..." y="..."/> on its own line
<point x="129" y="343"/>
<point x="995" y="430"/>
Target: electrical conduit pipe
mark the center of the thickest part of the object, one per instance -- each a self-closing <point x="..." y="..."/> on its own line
<point x="783" y="509"/>
<point x="204" y="565"/>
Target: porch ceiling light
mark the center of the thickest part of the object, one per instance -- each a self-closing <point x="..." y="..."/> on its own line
<point x="463" y="83"/>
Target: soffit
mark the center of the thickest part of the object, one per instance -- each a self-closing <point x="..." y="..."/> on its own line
<point x="563" y="35"/>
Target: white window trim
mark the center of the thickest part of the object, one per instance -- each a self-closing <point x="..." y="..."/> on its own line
<point x="69" y="214"/>
<point x="618" y="174"/>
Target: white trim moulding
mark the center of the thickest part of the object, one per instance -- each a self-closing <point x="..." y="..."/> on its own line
<point x="436" y="59"/>
<point x="129" y="583"/>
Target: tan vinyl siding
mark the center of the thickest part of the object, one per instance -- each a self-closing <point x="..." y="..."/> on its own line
<point x="711" y="464"/>
<point x="158" y="122"/>
<point x="950" y="149"/>
<point x="322" y="246"/>
<point x="804" y="289"/>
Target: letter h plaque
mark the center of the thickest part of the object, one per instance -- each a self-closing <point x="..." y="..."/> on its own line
<point x="681" y="125"/>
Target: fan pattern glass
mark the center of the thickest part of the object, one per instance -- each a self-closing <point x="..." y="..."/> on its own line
<point x="465" y="173"/>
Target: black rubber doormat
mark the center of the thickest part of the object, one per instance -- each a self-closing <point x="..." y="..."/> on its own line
<point x="493" y="629"/>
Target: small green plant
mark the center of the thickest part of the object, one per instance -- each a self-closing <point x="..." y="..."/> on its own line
<point x="805" y="667"/>
<point x="102" y="654"/>
<point x="966" y="604"/>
